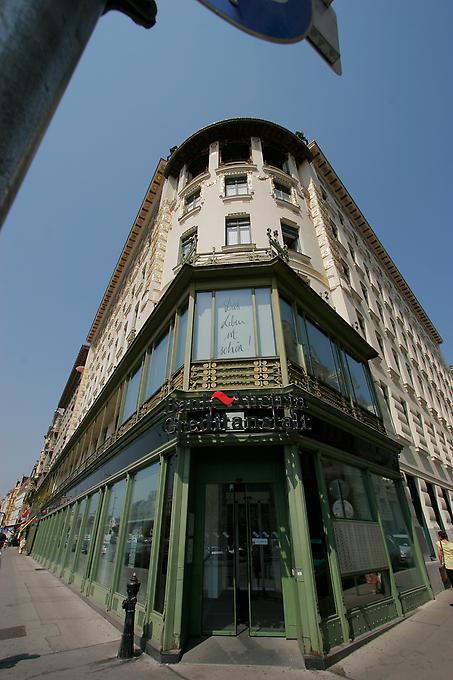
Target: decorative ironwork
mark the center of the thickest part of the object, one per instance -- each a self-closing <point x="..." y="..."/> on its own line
<point x="240" y="374"/>
<point x="281" y="251"/>
<point x="191" y="254"/>
<point x="298" y="376"/>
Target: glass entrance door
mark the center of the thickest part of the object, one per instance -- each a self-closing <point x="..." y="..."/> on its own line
<point x="242" y="586"/>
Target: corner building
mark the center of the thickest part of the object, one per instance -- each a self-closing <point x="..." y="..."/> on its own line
<point x="245" y="444"/>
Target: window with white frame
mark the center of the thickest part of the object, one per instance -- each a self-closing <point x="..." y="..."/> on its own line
<point x="188" y="244"/>
<point x="192" y="201"/>
<point x="237" y="230"/>
<point x="290" y="237"/>
<point x="282" y="191"/>
<point x="236" y="185"/>
<point x="233" y="323"/>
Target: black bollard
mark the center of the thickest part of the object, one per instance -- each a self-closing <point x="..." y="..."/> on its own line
<point x="126" y="650"/>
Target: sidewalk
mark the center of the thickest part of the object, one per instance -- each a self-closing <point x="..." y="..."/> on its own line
<point x="47" y="630"/>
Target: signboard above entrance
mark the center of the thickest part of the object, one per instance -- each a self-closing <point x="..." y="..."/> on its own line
<point x="219" y="413"/>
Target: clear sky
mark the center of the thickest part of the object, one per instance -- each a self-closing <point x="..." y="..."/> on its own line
<point x="385" y="125"/>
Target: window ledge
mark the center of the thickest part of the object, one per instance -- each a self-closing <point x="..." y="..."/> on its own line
<point x="239" y="165"/>
<point x="189" y="213"/>
<point x="232" y="199"/>
<point x="300" y="258"/>
<point x="194" y="183"/>
<point x="278" y="173"/>
<point x="287" y="204"/>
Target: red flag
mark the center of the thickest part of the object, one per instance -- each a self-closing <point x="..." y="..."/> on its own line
<point x="223" y="398"/>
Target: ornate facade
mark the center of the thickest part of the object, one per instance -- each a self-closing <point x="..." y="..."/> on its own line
<point x="263" y="431"/>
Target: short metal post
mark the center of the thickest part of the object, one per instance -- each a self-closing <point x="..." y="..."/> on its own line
<point x="126" y="650"/>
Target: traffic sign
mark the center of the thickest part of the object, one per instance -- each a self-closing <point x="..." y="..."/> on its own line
<point x="285" y="21"/>
<point x="275" y="20"/>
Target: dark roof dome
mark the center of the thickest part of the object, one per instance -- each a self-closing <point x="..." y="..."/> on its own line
<point x="236" y="128"/>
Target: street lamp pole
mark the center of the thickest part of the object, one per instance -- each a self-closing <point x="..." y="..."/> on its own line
<point x="40" y="46"/>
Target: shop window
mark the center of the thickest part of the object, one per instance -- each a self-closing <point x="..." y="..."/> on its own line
<point x="289" y="331"/>
<point x="132" y="393"/>
<point x="362" y="589"/>
<point x="235" y="152"/>
<point x="67" y="533"/>
<point x="434" y="504"/>
<point x="202" y="326"/>
<point x="362" y="390"/>
<point x="233" y="323"/>
<point x="282" y="191"/>
<point x="81" y="561"/>
<point x="322" y="356"/>
<point x="265" y="322"/>
<point x="424" y="538"/>
<point x="164" y="543"/>
<point x="139" y="530"/>
<point x="237" y="230"/>
<point x="159" y="363"/>
<point x="192" y="201"/>
<point x="236" y="186"/>
<point x="290" y="237"/>
<point x="348" y="497"/>
<point x="181" y="340"/>
<point x="319" y="551"/>
<point x="76" y="534"/>
<point x="109" y="535"/>
<point x="397" y="535"/>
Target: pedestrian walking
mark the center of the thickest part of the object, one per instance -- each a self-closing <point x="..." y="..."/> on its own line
<point x="445" y="555"/>
<point x="22" y="544"/>
<point x="2" y="543"/>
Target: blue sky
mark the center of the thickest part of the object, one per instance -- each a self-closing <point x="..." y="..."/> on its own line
<point x="385" y="125"/>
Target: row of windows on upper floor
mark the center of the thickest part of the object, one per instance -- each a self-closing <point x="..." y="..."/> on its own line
<point x="238" y="151"/>
<point x="237" y="186"/>
<point x="405" y="330"/>
<point x="375" y="283"/>
<point x="238" y="233"/>
<point x="238" y="324"/>
<point x="396" y="358"/>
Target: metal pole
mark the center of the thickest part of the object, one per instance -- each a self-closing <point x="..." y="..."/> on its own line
<point x="126" y="650"/>
<point x="41" y="42"/>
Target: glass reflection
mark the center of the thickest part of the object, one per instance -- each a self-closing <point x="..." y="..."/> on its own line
<point x="139" y="530"/>
<point x="109" y="534"/>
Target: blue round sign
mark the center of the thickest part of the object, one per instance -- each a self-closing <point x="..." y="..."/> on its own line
<point x="275" y="20"/>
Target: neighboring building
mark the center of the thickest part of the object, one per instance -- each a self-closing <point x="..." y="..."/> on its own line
<point x="13" y="504"/>
<point x="258" y="378"/>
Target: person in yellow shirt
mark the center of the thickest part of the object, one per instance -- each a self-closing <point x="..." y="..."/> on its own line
<point x="445" y="554"/>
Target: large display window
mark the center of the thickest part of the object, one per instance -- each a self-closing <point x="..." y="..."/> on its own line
<point x="397" y="535"/>
<point x="109" y="535"/>
<point x="308" y="345"/>
<point x="80" y="565"/>
<point x="233" y="324"/>
<point x="139" y="530"/>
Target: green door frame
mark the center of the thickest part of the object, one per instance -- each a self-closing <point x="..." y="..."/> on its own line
<point x="250" y="469"/>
